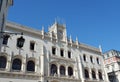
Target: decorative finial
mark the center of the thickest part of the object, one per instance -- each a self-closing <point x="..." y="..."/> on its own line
<point x="100" y="48"/>
<point x="42" y="32"/>
<point x="77" y="40"/>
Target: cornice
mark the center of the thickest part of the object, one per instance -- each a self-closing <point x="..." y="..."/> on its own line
<point x="15" y="26"/>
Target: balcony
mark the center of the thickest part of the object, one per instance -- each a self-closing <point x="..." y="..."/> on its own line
<point x="62" y="58"/>
<point x="61" y="77"/>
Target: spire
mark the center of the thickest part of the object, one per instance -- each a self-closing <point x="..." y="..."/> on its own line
<point x="100" y="48"/>
<point x="42" y="32"/>
<point x="77" y="43"/>
<point x="70" y="39"/>
<point x="77" y="40"/>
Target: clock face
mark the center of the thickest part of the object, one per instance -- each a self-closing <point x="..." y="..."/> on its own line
<point x="60" y="34"/>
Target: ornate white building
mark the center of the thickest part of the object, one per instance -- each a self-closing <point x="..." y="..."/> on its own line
<point x="48" y="57"/>
<point x="112" y="65"/>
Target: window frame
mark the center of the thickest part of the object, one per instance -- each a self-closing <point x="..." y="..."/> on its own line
<point x="70" y="71"/>
<point x="100" y="75"/>
<point x="84" y="57"/>
<point x="69" y="54"/>
<point x="3" y="62"/>
<point x="32" y="45"/>
<point x="19" y="64"/>
<point x="62" y="52"/>
<point x="53" y="69"/>
<point x="53" y="50"/>
<point x="30" y="67"/>
<point x="93" y="74"/>
<point x="86" y="72"/>
<point x="91" y="59"/>
<point x="98" y="62"/>
<point x="5" y="39"/>
<point x="62" y="70"/>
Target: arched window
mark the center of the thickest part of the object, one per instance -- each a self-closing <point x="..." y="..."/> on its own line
<point x="31" y="66"/>
<point x="16" y="65"/>
<point x="70" y="71"/>
<point x="53" y="69"/>
<point x="3" y="62"/>
<point x="62" y="70"/>
<point x="86" y="73"/>
<point x="100" y="75"/>
<point x="93" y="74"/>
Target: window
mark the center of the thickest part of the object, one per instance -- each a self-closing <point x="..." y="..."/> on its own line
<point x="20" y="42"/>
<point x="31" y="66"/>
<point x="69" y="54"/>
<point x="62" y="70"/>
<point x="53" y="69"/>
<point x="84" y="57"/>
<point x="91" y="59"/>
<point x="97" y="61"/>
<point x="70" y="71"/>
<point x="16" y="65"/>
<point x="93" y="74"/>
<point x="100" y="75"/>
<point x="53" y="50"/>
<point x="32" y="45"/>
<point x="3" y="62"/>
<point x="62" y="52"/>
<point x="5" y="39"/>
<point x="86" y="73"/>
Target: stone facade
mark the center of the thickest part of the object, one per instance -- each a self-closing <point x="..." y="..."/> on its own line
<point x="48" y="57"/>
<point x="112" y="65"/>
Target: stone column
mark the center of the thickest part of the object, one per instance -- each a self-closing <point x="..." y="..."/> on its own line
<point x="36" y="67"/>
<point x="23" y="66"/>
<point x="42" y="63"/>
<point x="66" y="71"/>
<point x="8" y="64"/>
<point x="58" y="70"/>
<point x="97" y="75"/>
<point x="74" y="71"/>
<point x="80" y="68"/>
<point x="90" y="74"/>
<point x="49" y="69"/>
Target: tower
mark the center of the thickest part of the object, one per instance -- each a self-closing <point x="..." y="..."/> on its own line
<point x="58" y="31"/>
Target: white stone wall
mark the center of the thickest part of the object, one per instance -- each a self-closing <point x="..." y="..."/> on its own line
<point x="43" y="57"/>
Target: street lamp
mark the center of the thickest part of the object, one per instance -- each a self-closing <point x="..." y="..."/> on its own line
<point x="20" y="42"/>
<point x="5" y="36"/>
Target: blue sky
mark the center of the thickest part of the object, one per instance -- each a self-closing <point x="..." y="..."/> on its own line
<point x="94" y="22"/>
